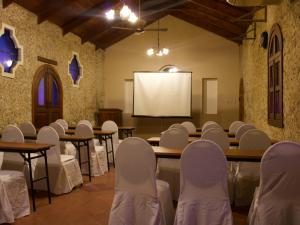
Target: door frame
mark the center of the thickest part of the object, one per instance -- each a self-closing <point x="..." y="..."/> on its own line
<point x="35" y="84"/>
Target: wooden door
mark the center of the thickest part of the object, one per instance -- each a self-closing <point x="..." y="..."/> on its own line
<point x="47" y="96"/>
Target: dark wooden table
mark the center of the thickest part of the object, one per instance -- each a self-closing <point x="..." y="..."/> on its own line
<point x="231" y="154"/>
<point x="25" y="150"/>
<point x="125" y="131"/>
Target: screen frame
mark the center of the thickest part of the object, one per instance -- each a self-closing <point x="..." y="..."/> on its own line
<point x="148" y="116"/>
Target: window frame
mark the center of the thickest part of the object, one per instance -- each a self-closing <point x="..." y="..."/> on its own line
<point x="275" y="77"/>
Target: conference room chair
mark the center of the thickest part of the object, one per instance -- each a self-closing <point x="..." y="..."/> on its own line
<point x="219" y="137"/>
<point x="64" y="171"/>
<point x="14" y="199"/>
<point x="206" y="123"/>
<point x="112" y="126"/>
<point x="179" y="126"/>
<point x="14" y="161"/>
<point x="139" y="198"/>
<point x="87" y="122"/>
<point x="277" y="200"/>
<point x="242" y="129"/>
<point x="169" y="169"/>
<point x="28" y="129"/>
<point x="64" y="123"/>
<point x="247" y="173"/>
<point x="66" y="148"/>
<point x="234" y="126"/>
<point x="191" y="128"/>
<point x="97" y="153"/>
<point x="210" y="126"/>
<point x="203" y="186"/>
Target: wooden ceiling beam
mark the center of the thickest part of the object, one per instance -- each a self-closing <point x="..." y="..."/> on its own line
<point x="205" y="25"/>
<point x="96" y="11"/>
<point x="117" y="37"/>
<point x="6" y="3"/>
<point x="53" y="9"/>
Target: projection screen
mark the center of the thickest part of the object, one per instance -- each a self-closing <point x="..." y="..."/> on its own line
<point x="160" y="94"/>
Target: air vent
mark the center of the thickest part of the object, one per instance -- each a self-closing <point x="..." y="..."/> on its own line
<point x="247" y="3"/>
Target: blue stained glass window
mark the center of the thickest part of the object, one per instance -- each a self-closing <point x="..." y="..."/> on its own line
<point x="9" y="53"/>
<point x="54" y="93"/>
<point x="41" y="93"/>
<point x="74" y="69"/>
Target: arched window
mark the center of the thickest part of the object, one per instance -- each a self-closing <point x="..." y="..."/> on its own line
<point x="275" y="77"/>
<point x="10" y="54"/>
<point x="75" y="70"/>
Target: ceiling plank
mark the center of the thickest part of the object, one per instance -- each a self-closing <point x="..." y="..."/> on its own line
<point x="110" y="41"/>
<point x="6" y="3"/>
<point x="91" y="13"/>
<point x="53" y="9"/>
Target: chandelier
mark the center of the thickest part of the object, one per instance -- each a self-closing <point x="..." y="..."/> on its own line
<point x="124" y="13"/>
<point x="158" y="51"/>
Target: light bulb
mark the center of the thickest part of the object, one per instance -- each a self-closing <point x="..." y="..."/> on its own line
<point x="125" y="12"/>
<point x="9" y="63"/>
<point x="150" y="51"/>
<point x="165" y="51"/>
<point x="110" y="15"/>
<point x="132" y="18"/>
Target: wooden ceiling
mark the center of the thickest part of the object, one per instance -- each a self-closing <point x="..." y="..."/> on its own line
<point x="86" y="18"/>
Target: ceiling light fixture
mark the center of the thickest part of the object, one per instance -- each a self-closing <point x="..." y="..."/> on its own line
<point x="124" y="13"/>
<point x="157" y="51"/>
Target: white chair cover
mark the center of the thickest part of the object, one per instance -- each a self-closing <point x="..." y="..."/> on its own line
<point x="111" y="125"/>
<point x="179" y="126"/>
<point x="139" y="197"/>
<point x="206" y="123"/>
<point x="242" y="129"/>
<point x="87" y="122"/>
<point x="203" y="186"/>
<point x="97" y="153"/>
<point x="63" y="122"/>
<point x="277" y="199"/>
<point x="27" y="128"/>
<point x="234" y="126"/>
<point x="66" y="148"/>
<point x="210" y="126"/>
<point x="14" y="199"/>
<point x="169" y="169"/>
<point x="189" y="126"/>
<point x="64" y="171"/>
<point x="247" y="173"/>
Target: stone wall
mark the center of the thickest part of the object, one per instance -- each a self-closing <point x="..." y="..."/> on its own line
<point x="46" y="40"/>
<point x="255" y="73"/>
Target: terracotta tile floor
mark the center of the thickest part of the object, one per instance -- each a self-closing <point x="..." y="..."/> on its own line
<point x="86" y="205"/>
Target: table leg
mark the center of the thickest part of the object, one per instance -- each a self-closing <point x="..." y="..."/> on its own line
<point x="106" y="147"/>
<point x="31" y="182"/>
<point x="47" y="177"/>
<point x="79" y="156"/>
<point x="89" y="160"/>
<point x="112" y="149"/>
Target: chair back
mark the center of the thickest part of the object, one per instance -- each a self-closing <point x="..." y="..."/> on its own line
<point x="217" y="136"/>
<point x="174" y="138"/>
<point x="278" y="197"/>
<point x="179" y="126"/>
<point x="84" y="130"/>
<point x="206" y="123"/>
<point x="254" y="139"/>
<point x="234" y="126"/>
<point x="242" y="129"/>
<point x="87" y="122"/>
<point x="212" y="125"/>
<point x="27" y="128"/>
<point x="47" y="135"/>
<point x="111" y="125"/>
<point x="12" y="133"/>
<point x="191" y="128"/>
<point x="135" y="167"/>
<point x="58" y="128"/>
<point x="203" y="172"/>
<point x="63" y="122"/>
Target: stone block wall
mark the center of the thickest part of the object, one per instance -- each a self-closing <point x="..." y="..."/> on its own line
<point x="46" y="40"/>
<point x="255" y="72"/>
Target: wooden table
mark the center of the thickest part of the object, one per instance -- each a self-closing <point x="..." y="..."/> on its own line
<point x="25" y="150"/>
<point x="231" y="154"/>
<point x="124" y="130"/>
<point x="199" y="133"/>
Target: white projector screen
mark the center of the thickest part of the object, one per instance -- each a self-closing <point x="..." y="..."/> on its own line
<point x="159" y="94"/>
